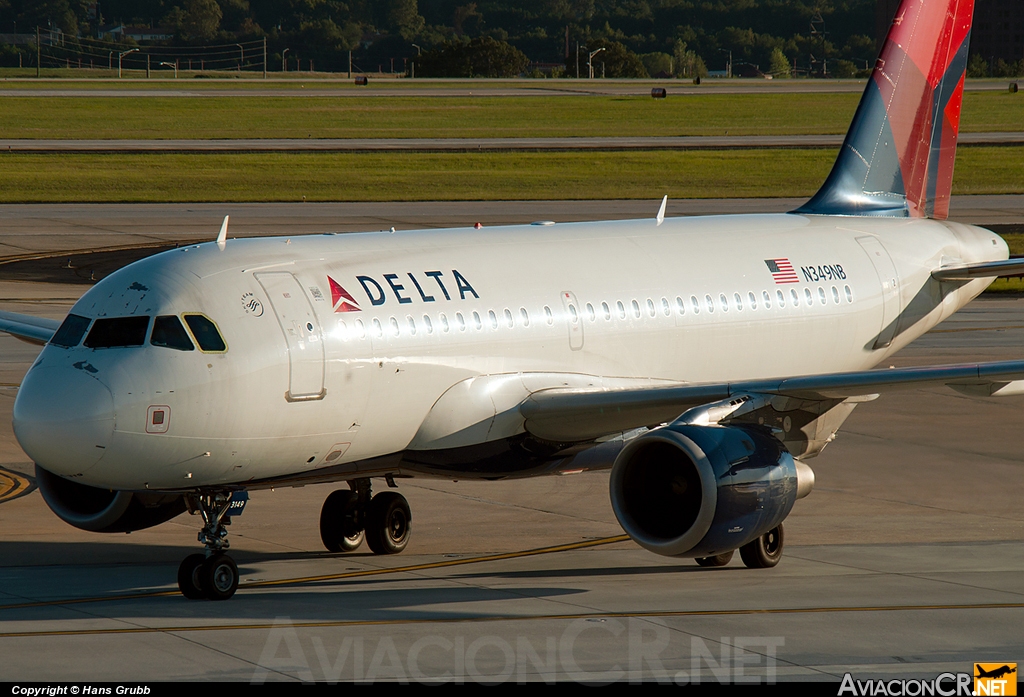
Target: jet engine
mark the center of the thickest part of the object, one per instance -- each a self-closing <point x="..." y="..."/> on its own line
<point x="102" y="510"/>
<point x="697" y="491"/>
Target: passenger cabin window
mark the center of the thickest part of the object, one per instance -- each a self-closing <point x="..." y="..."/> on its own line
<point x="71" y="331"/>
<point x="118" y="332"/>
<point x="169" y="333"/>
<point x="206" y="333"/>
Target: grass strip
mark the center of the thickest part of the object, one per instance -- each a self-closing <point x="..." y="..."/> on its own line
<point x="402" y="116"/>
<point x="214" y="177"/>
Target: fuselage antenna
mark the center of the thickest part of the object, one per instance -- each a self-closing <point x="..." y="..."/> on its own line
<point x="222" y="236"/>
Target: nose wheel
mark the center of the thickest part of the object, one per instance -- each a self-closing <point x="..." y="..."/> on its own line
<point x="213" y="575"/>
<point x="349" y="517"/>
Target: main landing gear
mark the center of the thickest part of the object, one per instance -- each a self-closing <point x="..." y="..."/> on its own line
<point x="350" y="516"/>
<point x="762" y="553"/>
<point x="213" y="575"/>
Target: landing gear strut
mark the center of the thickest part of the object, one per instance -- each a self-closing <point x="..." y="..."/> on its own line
<point x="349" y="517"/>
<point x="213" y="575"/>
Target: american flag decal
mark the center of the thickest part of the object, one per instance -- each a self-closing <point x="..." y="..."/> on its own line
<point x="782" y="271"/>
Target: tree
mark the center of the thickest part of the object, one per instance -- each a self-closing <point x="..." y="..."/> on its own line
<point x="687" y="62"/>
<point x="200" y="20"/>
<point x="657" y="63"/>
<point x="484" y="56"/>
<point x="618" y="60"/>
<point x="779" y="64"/>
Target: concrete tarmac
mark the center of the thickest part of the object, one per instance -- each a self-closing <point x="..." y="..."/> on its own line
<point x="904" y="562"/>
<point x="236" y="145"/>
<point x="45" y="228"/>
<point x="314" y="86"/>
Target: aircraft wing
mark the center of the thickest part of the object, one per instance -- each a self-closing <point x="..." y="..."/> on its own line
<point x="572" y="414"/>
<point x="34" y="330"/>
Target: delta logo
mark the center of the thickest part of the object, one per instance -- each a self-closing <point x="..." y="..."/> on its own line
<point x="341" y="301"/>
<point x="995" y="679"/>
<point x="430" y="286"/>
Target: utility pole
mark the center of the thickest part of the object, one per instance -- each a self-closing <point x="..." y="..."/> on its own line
<point x="38" y="52"/>
<point x="264" y="58"/>
<point x="350" y="64"/>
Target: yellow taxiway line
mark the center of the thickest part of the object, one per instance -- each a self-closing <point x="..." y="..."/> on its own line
<point x="13" y="485"/>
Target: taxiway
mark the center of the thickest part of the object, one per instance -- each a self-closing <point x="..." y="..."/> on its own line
<point x="904" y="562"/>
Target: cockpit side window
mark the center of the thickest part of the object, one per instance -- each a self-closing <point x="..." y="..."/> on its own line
<point x="206" y="333"/>
<point x="71" y="331"/>
<point x="168" y="332"/>
<point x="117" y="332"/>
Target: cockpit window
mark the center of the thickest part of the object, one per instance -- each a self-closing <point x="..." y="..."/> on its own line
<point x="206" y="333"/>
<point x="113" y="332"/>
<point x="168" y="332"/>
<point x="71" y="331"/>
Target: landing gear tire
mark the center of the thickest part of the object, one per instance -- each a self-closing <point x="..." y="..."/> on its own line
<point x="764" y="552"/>
<point x="219" y="577"/>
<point x="717" y="560"/>
<point x="388" y="523"/>
<point x="338" y="528"/>
<point x="190" y="576"/>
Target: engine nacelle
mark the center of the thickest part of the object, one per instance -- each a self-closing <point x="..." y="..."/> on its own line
<point x="102" y="510"/>
<point x="698" y="491"/>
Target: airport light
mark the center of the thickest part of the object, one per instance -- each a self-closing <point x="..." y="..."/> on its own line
<point x="173" y="65"/>
<point x="590" y="61"/>
<point x="728" y="67"/>
<point x="122" y="55"/>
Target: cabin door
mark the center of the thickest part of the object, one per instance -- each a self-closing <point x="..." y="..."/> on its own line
<point x="302" y="334"/>
<point x="890" y="286"/>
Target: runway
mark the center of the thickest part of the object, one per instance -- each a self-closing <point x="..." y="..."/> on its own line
<point x="904" y="562"/>
<point x="319" y="86"/>
<point x="460" y="144"/>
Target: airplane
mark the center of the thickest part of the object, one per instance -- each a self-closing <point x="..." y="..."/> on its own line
<point x="995" y="673"/>
<point x="703" y="360"/>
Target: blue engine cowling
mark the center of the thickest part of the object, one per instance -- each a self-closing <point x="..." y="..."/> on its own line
<point x="697" y="491"/>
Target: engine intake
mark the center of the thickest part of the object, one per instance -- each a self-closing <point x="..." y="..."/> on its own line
<point x="698" y="491"/>
<point x="102" y="510"/>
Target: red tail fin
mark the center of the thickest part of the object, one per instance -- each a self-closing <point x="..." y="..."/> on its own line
<point x="898" y="156"/>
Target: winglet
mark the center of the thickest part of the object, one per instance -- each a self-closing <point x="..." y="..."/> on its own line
<point x="661" y="211"/>
<point x="222" y="237"/>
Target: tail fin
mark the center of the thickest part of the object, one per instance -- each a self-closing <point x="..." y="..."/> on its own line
<point x="897" y="159"/>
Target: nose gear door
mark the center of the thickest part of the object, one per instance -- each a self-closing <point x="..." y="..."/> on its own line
<point x="302" y="334"/>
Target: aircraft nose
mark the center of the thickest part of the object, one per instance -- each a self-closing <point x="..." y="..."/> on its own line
<point x="63" y="418"/>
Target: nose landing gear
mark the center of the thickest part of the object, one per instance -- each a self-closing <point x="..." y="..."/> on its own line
<point x="349" y="517"/>
<point x="213" y="575"/>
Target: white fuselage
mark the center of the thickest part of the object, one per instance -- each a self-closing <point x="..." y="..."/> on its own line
<point x="312" y="378"/>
